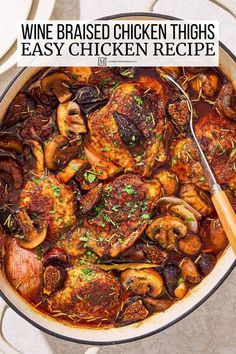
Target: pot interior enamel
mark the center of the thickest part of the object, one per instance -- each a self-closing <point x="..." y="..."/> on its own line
<point x="156" y="322"/>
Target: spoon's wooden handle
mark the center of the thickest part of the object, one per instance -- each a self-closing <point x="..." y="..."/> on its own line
<point x="226" y="215"/>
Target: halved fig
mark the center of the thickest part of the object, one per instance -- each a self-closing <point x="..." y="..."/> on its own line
<point x="20" y="108"/>
<point x="11" y="143"/>
<point x="133" y="311"/>
<point x="166" y="230"/>
<point x="129" y="134"/>
<point x="171" y="274"/>
<point x="37" y="152"/>
<point x="11" y="176"/>
<point x="178" y="111"/>
<point x="145" y="252"/>
<point x="70" y="121"/>
<point x="57" y="84"/>
<point x="53" y="279"/>
<point x="142" y="282"/>
<point x="32" y="236"/>
<point x="218" y="238"/>
<point x="70" y="170"/>
<point x="54" y="256"/>
<point x="59" y="151"/>
<point x="90" y="199"/>
<point x="23" y="270"/>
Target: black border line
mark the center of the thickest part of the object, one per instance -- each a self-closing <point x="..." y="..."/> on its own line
<point x="185" y="314"/>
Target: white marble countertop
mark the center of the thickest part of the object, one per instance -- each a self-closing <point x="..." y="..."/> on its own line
<point x="209" y="329"/>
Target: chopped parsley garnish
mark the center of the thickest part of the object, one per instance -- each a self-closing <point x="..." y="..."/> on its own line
<point x="56" y="191"/>
<point x="36" y="180"/>
<point x="39" y="252"/>
<point x="145" y="216"/>
<point x="138" y="101"/>
<point x="174" y="160"/>
<point x="90" y="177"/>
<point x="115" y="208"/>
<point x="189" y="218"/>
<point x="129" y="189"/>
<point x="120" y="240"/>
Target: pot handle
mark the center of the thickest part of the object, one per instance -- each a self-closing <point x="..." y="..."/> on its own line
<point x="5" y="346"/>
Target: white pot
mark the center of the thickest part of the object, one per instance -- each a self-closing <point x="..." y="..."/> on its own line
<point x="156" y="322"/>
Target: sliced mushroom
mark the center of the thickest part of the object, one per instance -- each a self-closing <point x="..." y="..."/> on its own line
<point x="218" y="238"/>
<point x="206" y="262"/>
<point x="59" y="151"/>
<point x="133" y="311"/>
<point x="142" y="282"/>
<point x="197" y="198"/>
<point x="71" y="169"/>
<point x="23" y="270"/>
<point x="190" y="244"/>
<point x="187" y="215"/>
<point x="32" y="236"/>
<point x="169" y="181"/>
<point x="169" y="201"/>
<point x="178" y="111"/>
<point x="224" y="102"/>
<point x="90" y="199"/>
<point x="166" y="229"/>
<point x="37" y="152"/>
<point x="157" y="305"/>
<point x="189" y="271"/>
<point x="10" y="143"/>
<point x="54" y="277"/>
<point x="103" y="169"/>
<point x="70" y="121"/>
<point x="57" y="84"/>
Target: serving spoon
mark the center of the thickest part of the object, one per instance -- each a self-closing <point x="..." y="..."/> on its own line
<point x="219" y="198"/>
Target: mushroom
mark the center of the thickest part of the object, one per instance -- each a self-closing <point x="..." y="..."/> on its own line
<point x="57" y="84"/>
<point x="218" y="238"/>
<point x="10" y="143"/>
<point x="178" y="111"/>
<point x="59" y="151"/>
<point x="166" y="229"/>
<point x="70" y="170"/>
<point x="90" y="199"/>
<point x="206" y="262"/>
<point x="80" y="73"/>
<point x="142" y="282"/>
<point x="32" y="236"/>
<point x="175" y="71"/>
<point x="103" y="169"/>
<point x="207" y="84"/>
<point x="189" y="271"/>
<point x="224" y="101"/>
<point x="37" y="152"/>
<point x="169" y="181"/>
<point x="23" y="270"/>
<point x="190" y="244"/>
<point x="70" y="121"/>
<point x="133" y="311"/>
<point x="54" y="277"/>
<point x="20" y="109"/>
<point x="197" y="198"/>
<point x="157" y="305"/>
<point x="187" y="215"/>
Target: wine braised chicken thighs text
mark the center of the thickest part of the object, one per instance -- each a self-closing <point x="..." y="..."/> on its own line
<point x="105" y="212"/>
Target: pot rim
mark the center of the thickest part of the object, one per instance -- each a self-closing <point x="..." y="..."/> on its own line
<point x="177" y="319"/>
